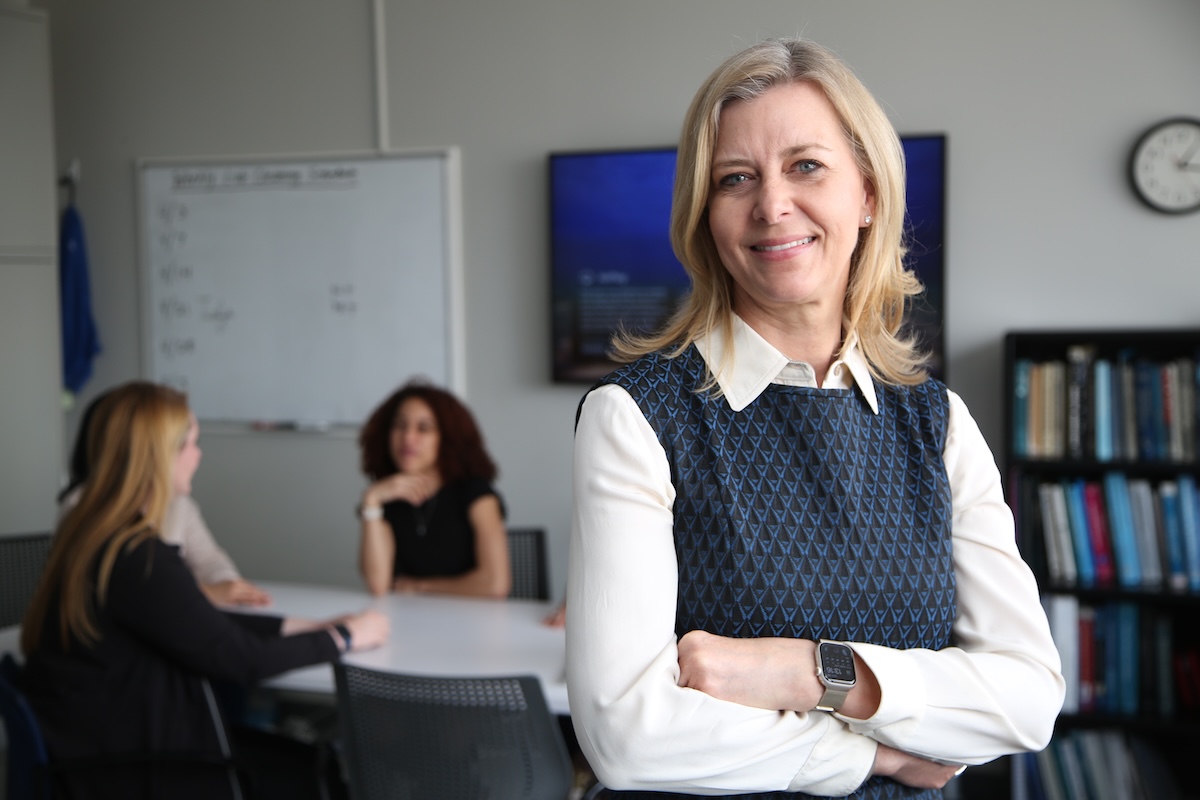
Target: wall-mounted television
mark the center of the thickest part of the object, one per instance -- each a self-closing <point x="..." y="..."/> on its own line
<point x="611" y="262"/>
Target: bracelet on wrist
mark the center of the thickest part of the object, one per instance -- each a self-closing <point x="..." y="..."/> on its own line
<point x="369" y="513"/>
<point x="344" y="632"/>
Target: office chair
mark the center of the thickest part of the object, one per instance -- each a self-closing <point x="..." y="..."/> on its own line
<point x="413" y="738"/>
<point x="21" y="561"/>
<point x="527" y="554"/>
<point x="31" y="770"/>
<point x="28" y="772"/>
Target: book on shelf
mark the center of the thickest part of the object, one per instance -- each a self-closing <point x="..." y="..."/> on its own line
<point x="1103" y="562"/>
<point x="1050" y="775"/>
<point x="1035" y="427"/>
<point x="1172" y="533"/>
<point x="1081" y="537"/>
<point x="1079" y="435"/>
<point x="1189" y="519"/>
<point x="1062" y="612"/>
<point x="1020" y="430"/>
<point x="1187" y="407"/>
<point x="1127" y="648"/>
<point x="1088" y="676"/>
<point x="1151" y="427"/>
<point x="1054" y="438"/>
<point x="1104" y="408"/>
<point x="1125" y="385"/>
<point x="1164" y="676"/>
<point x="1070" y="766"/>
<point x="1060" y="550"/>
<point x="1141" y="497"/>
<point x="1120" y="519"/>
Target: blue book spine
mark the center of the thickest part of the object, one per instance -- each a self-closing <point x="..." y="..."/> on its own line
<point x="1120" y="513"/>
<point x="1147" y="387"/>
<point x="1168" y="499"/>
<point x="1102" y="397"/>
<point x="1081" y="536"/>
<point x="1189" y="517"/>
<point x="1020" y="429"/>
<point x="1128" y="650"/>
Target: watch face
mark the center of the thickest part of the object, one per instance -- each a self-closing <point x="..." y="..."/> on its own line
<point x="837" y="662"/>
<point x="1165" y="166"/>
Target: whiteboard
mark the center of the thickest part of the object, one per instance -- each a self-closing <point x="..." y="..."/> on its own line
<point x="301" y="291"/>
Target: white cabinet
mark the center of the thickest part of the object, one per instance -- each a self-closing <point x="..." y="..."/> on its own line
<point x="31" y="420"/>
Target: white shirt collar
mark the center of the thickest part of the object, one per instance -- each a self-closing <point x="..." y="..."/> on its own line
<point x="757" y="364"/>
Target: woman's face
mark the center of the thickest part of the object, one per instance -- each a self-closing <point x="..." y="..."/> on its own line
<point x="786" y="203"/>
<point x="187" y="460"/>
<point x="415" y="438"/>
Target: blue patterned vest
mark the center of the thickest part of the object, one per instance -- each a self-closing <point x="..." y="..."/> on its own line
<point x="805" y="514"/>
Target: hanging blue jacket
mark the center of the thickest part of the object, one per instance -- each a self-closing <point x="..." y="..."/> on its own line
<point x="80" y="341"/>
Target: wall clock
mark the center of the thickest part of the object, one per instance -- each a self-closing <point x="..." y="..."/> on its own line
<point x="1164" y="166"/>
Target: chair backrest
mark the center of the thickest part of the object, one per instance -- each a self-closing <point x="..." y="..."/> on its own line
<point x="412" y="738"/>
<point x="31" y="771"/>
<point x="21" y="561"/>
<point x="27" y="759"/>
<point x="527" y="554"/>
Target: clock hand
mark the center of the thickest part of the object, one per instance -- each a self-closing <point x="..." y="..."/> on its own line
<point x="1185" y="160"/>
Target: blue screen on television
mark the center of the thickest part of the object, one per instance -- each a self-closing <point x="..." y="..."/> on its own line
<point x="612" y="265"/>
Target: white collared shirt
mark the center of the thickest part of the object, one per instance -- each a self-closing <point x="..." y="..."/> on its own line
<point x="997" y="691"/>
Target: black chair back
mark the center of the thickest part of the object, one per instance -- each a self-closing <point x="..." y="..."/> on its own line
<point x="27" y="759"/>
<point x="527" y="554"/>
<point x="22" y="559"/>
<point x="414" y="738"/>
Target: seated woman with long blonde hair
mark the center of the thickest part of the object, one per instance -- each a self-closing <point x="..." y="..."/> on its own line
<point x="119" y="639"/>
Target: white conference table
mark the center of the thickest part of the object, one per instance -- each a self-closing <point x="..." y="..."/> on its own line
<point x="430" y="635"/>
<point x="435" y="635"/>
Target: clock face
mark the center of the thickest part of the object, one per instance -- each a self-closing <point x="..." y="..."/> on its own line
<point x="1165" y="166"/>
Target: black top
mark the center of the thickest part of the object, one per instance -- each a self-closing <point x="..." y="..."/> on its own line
<point x="436" y="537"/>
<point x="140" y="688"/>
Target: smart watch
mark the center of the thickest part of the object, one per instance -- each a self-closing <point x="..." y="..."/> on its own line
<point x="343" y="630"/>
<point x="835" y="670"/>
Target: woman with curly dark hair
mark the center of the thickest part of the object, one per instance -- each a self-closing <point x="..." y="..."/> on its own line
<point x="431" y="519"/>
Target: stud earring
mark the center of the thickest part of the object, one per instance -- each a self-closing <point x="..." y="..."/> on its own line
<point x="868" y="219"/>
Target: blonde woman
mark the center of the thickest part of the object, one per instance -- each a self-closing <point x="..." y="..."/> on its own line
<point x="792" y="571"/>
<point x="119" y="637"/>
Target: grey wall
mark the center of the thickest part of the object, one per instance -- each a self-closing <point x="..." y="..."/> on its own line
<point x="1041" y="102"/>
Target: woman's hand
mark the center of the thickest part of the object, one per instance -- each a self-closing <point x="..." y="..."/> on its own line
<point x="912" y="770"/>
<point x="414" y="489"/>
<point x="770" y="673"/>
<point x="368" y="629"/>
<point x="558" y="617"/>
<point x="236" y="592"/>
<point x="774" y="673"/>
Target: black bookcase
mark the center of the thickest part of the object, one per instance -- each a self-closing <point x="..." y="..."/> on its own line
<point x="1101" y="445"/>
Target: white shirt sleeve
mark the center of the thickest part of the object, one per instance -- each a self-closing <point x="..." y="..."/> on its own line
<point x="185" y="526"/>
<point x="997" y="691"/>
<point x="637" y="727"/>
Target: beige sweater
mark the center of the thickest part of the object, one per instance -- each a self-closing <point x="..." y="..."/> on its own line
<point x="184" y="526"/>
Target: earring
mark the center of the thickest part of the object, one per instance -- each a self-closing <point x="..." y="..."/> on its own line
<point x="868" y="219"/>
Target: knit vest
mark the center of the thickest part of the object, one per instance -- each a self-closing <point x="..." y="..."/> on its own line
<point x="805" y="514"/>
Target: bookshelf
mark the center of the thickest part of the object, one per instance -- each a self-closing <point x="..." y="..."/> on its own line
<point x="1101" y="470"/>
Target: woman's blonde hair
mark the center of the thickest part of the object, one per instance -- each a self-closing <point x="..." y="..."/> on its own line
<point x="880" y="286"/>
<point x="133" y="440"/>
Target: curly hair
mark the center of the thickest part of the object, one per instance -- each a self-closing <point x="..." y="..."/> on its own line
<point x="461" y="453"/>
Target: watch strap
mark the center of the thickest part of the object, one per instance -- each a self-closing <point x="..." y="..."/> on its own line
<point x="344" y="631"/>
<point x="833" y="698"/>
